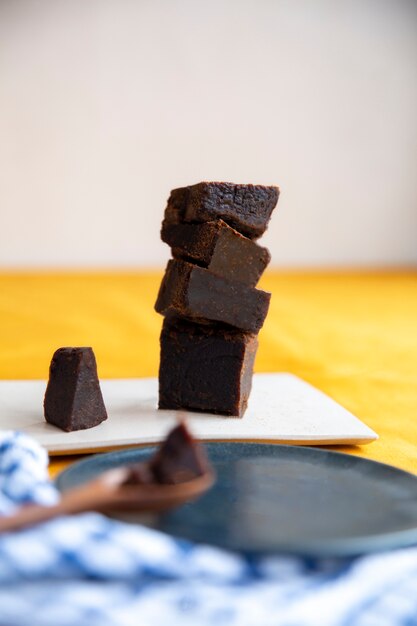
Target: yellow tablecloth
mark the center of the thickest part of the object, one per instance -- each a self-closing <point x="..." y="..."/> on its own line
<point x="351" y="334"/>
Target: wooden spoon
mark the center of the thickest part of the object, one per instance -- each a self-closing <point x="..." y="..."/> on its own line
<point x="109" y="493"/>
<point x="177" y="472"/>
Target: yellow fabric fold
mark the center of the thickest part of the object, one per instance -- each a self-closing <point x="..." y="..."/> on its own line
<point x="351" y="334"/>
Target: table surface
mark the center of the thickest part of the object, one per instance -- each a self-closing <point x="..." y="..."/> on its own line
<point x="351" y="334"/>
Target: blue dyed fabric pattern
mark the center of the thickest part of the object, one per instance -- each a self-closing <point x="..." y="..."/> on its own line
<point x="88" y="570"/>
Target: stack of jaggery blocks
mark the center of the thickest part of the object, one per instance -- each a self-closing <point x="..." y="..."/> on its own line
<point x="213" y="312"/>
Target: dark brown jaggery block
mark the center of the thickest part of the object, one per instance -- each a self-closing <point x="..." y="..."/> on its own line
<point x="178" y="459"/>
<point x="219" y="248"/>
<point x="205" y="368"/>
<point x="247" y="208"/>
<point x="196" y="293"/>
<point x="73" y="399"/>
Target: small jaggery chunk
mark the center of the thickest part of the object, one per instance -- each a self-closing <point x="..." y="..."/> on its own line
<point x="247" y="208"/>
<point x="205" y="368"/>
<point x="196" y="293"/>
<point x="178" y="459"/>
<point x="73" y="399"/>
<point x="219" y="248"/>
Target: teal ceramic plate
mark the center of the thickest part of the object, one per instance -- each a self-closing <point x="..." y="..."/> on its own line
<point x="284" y="499"/>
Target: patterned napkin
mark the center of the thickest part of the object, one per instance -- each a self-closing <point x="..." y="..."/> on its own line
<point x="89" y="570"/>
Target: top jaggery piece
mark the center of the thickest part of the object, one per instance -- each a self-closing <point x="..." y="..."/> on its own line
<point x="247" y="208"/>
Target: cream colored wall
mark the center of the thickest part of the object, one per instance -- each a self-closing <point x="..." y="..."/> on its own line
<point x="105" y="105"/>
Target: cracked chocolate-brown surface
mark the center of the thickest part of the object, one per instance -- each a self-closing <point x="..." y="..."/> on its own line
<point x="247" y="208"/>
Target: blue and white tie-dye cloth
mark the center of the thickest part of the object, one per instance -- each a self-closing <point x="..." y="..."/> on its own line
<point x="89" y="570"/>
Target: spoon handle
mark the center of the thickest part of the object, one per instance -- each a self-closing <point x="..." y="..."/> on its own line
<point x="77" y="500"/>
<point x="108" y="493"/>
